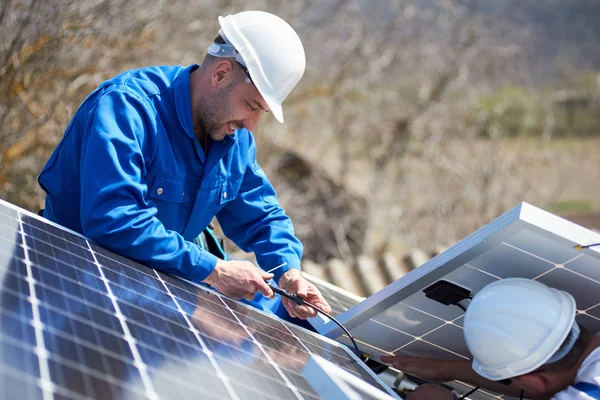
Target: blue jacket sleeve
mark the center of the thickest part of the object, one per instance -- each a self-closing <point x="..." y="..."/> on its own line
<point x="115" y="208"/>
<point x="255" y="221"/>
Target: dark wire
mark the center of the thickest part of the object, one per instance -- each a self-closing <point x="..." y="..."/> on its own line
<point x="300" y="301"/>
<point x="356" y="350"/>
<point x="461" y="307"/>
<point x="587" y="246"/>
<point x="464" y="396"/>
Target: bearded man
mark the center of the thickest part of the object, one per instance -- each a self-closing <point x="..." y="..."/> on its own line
<point x="154" y="154"/>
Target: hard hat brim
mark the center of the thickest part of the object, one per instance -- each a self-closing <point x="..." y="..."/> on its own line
<point x="275" y="109"/>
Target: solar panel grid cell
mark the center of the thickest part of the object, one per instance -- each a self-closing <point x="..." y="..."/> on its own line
<point x="85" y="323"/>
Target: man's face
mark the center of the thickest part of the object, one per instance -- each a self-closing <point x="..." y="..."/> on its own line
<point x="233" y="104"/>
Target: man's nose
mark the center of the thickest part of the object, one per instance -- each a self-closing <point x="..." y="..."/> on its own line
<point x="252" y="121"/>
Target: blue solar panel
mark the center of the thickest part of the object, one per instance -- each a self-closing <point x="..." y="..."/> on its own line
<point x="79" y="322"/>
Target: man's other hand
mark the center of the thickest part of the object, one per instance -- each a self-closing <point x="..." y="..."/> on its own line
<point x="430" y="369"/>
<point x="239" y="279"/>
<point x="430" y="391"/>
<point x="294" y="282"/>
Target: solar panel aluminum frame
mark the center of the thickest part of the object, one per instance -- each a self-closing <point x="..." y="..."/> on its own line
<point x="523" y="218"/>
<point x="332" y="382"/>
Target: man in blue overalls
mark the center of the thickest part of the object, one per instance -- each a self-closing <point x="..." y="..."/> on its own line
<point x="152" y="155"/>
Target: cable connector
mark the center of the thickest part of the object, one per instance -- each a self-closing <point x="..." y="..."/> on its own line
<point x="587" y="246"/>
<point x="291" y="296"/>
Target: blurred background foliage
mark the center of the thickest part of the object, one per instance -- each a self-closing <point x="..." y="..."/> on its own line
<point x="416" y="122"/>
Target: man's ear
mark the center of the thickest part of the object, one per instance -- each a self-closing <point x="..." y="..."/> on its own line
<point x="222" y="73"/>
<point x="535" y="383"/>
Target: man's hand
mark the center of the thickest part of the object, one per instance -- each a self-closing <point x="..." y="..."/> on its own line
<point x="294" y="282"/>
<point x="430" y="369"/>
<point x="430" y="391"/>
<point x="435" y="370"/>
<point x="239" y="279"/>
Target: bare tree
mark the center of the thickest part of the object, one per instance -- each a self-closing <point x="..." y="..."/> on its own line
<point x="382" y="146"/>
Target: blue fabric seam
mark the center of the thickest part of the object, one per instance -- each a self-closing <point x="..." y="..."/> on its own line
<point x="590" y="389"/>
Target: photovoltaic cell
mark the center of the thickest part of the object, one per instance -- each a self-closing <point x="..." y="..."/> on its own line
<point x="79" y="322"/>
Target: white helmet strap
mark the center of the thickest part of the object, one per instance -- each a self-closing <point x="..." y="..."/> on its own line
<point x="226" y="50"/>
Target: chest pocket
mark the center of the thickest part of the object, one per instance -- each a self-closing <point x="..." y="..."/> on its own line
<point x="227" y="191"/>
<point x="171" y="190"/>
<point x="173" y="199"/>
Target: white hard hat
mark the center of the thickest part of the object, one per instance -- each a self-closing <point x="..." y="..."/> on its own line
<point x="269" y="48"/>
<point x="514" y="326"/>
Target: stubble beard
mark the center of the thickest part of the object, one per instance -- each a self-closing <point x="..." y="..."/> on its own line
<point x="215" y="112"/>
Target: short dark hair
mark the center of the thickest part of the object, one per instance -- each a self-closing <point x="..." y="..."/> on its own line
<point x="572" y="357"/>
<point x="210" y="59"/>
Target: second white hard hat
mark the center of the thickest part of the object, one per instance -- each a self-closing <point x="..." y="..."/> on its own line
<point x="271" y="51"/>
<point x="514" y="326"/>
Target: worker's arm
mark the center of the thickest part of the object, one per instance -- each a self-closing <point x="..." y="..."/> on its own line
<point x="255" y="221"/>
<point x="117" y="212"/>
<point x="435" y="370"/>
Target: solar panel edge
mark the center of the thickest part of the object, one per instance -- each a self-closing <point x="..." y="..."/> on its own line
<point x="561" y="227"/>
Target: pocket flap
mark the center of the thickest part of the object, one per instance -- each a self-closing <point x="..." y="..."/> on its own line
<point x="169" y="189"/>
<point x="228" y="191"/>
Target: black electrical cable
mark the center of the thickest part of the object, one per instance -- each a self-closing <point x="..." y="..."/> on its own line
<point x="356" y="350"/>
<point x="300" y="301"/>
<point x="461" y="307"/>
<point x="464" y="396"/>
<point x="587" y="246"/>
